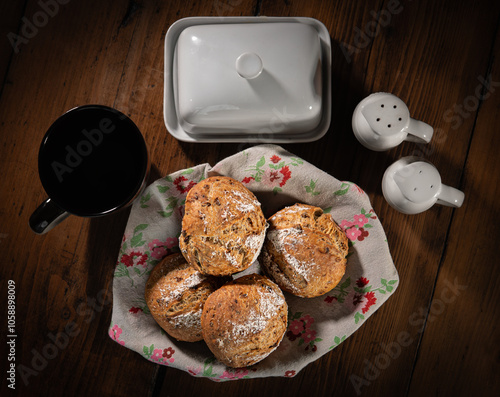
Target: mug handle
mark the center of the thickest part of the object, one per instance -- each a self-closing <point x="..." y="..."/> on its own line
<point x="419" y="132"/>
<point x="47" y="216"/>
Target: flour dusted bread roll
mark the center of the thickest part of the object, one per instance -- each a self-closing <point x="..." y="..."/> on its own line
<point x="175" y="294"/>
<point x="245" y="320"/>
<point x="305" y="251"/>
<point x="223" y="228"/>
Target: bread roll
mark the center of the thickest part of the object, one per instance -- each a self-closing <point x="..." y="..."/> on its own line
<point x="223" y="228"/>
<point x="175" y="294"/>
<point x="245" y="320"/>
<point x="305" y="251"/>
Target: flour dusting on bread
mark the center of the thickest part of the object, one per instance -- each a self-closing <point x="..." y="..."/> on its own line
<point x="300" y="249"/>
<point x="305" y="251"/>
<point x="223" y="217"/>
<point x="245" y="320"/>
<point x="175" y="294"/>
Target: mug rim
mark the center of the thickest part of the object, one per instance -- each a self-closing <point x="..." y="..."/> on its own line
<point x="145" y="164"/>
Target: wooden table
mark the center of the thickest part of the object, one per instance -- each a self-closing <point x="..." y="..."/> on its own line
<point x="440" y="57"/>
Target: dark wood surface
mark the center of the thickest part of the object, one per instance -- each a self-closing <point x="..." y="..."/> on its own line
<point x="433" y="54"/>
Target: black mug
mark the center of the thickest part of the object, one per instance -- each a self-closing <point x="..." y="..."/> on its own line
<point x="93" y="161"/>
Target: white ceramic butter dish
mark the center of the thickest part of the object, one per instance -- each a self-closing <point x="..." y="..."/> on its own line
<point x="247" y="79"/>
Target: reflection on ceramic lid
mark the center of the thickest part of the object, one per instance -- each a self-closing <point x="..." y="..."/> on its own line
<point x="248" y="78"/>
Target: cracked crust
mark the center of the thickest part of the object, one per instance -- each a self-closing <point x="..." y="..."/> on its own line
<point x="305" y="251"/>
<point x="223" y="228"/>
<point x="245" y="320"/>
<point x="175" y="294"/>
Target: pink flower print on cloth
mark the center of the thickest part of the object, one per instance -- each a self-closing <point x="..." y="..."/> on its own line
<point x="353" y="233"/>
<point x="160" y="249"/>
<point x="114" y="333"/>
<point x="357" y="229"/>
<point x="300" y="329"/>
<point x="160" y="356"/>
<point x="239" y="373"/>
<point x="157" y="355"/>
<point x="296" y="327"/>
<point x="360" y="220"/>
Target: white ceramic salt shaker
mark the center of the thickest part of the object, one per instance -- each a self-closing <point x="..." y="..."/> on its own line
<point x="382" y="121"/>
<point x="412" y="185"/>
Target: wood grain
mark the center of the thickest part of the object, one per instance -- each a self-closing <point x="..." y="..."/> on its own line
<point x="434" y="55"/>
<point x="460" y="330"/>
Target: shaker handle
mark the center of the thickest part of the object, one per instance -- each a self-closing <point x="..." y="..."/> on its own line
<point x="47" y="216"/>
<point x="450" y="197"/>
<point x="418" y="131"/>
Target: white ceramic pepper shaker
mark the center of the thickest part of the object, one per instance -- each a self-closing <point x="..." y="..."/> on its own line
<point x="382" y="121"/>
<point x="413" y="185"/>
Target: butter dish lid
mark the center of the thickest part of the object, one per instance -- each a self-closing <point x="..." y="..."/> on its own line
<point x="252" y="79"/>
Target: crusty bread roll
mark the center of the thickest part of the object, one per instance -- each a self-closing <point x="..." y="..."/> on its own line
<point x="223" y="228"/>
<point x="245" y="320"/>
<point x="175" y="294"/>
<point x="305" y="251"/>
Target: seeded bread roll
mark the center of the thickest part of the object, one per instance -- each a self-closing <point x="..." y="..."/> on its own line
<point x="305" y="251"/>
<point x="175" y="294"/>
<point x="223" y="228"/>
<point x="245" y="320"/>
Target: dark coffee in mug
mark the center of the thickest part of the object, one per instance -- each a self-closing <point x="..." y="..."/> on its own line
<point x="93" y="160"/>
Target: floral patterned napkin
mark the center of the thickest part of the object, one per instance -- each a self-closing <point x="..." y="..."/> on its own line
<point x="316" y="326"/>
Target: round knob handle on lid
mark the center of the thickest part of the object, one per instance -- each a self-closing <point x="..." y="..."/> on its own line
<point x="249" y="65"/>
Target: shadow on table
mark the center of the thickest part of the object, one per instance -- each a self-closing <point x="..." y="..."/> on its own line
<point x="104" y="241"/>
